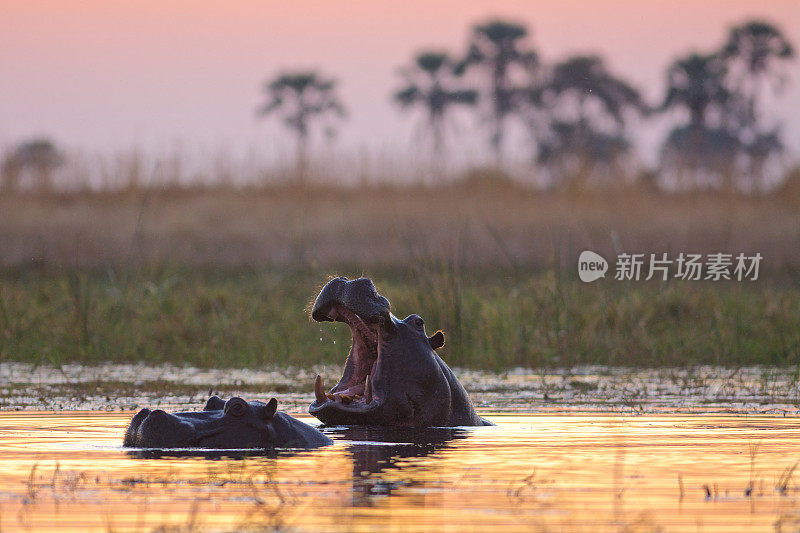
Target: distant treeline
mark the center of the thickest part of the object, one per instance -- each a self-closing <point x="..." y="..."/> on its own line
<point x="577" y="114"/>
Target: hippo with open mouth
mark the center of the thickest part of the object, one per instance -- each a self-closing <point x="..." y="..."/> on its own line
<point x="393" y="376"/>
<point x="235" y="424"/>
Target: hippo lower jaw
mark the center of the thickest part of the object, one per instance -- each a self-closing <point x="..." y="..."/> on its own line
<point x="355" y="394"/>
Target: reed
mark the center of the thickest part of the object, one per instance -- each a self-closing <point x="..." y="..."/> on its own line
<point x="257" y="318"/>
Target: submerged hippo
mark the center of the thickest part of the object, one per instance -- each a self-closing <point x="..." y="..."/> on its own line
<point x="224" y="425"/>
<point x="393" y="376"/>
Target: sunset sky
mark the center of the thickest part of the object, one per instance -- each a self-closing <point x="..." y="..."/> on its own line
<point x="107" y="76"/>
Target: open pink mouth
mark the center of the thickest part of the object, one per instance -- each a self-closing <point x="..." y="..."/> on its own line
<point x="355" y="390"/>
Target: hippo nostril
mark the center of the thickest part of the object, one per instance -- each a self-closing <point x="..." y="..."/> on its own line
<point x="131" y="437"/>
<point x="141" y="415"/>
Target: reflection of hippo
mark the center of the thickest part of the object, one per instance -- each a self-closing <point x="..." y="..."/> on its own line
<point x="392" y="376"/>
<point x="377" y="450"/>
<point x="224" y="425"/>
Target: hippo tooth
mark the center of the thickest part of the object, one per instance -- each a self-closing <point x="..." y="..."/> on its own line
<point x="319" y="390"/>
<point x="331" y="397"/>
<point x="346" y="398"/>
<point x="367" y="391"/>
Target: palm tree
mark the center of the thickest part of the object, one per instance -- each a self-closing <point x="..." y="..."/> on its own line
<point x="428" y="85"/>
<point x="301" y="98"/>
<point x="755" y="55"/>
<point x="721" y="91"/>
<point x="697" y="83"/>
<point x="496" y="46"/>
<point x="585" y="107"/>
<point x="707" y="145"/>
<point x="583" y="81"/>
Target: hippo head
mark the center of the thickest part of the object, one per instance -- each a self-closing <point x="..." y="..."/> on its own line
<point x="232" y="424"/>
<point x="392" y="376"/>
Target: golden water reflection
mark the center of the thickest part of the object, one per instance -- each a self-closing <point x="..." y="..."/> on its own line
<point x="555" y="472"/>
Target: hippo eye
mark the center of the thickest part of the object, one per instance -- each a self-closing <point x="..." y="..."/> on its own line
<point x="236" y="407"/>
<point x="419" y="323"/>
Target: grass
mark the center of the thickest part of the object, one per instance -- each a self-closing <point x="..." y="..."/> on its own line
<point x="485" y="227"/>
<point x="222" y="277"/>
<point x="493" y="321"/>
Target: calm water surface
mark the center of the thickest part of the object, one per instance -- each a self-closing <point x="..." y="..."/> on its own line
<point x="555" y="472"/>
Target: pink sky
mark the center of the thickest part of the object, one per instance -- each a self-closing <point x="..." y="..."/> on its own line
<point x="106" y="76"/>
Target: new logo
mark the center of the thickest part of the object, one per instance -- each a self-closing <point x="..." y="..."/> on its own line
<point x="591" y="266"/>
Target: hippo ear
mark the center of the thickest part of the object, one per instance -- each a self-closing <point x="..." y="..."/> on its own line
<point x="272" y="406"/>
<point x="436" y="340"/>
<point x="215" y="403"/>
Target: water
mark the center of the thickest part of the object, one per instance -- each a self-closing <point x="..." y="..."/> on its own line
<point x="114" y="387"/>
<point x="551" y="471"/>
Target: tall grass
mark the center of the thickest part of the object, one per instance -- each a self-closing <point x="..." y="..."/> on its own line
<point x="491" y="227"/>
<point x="252" y="319"/>
<point x="221" y="277"/>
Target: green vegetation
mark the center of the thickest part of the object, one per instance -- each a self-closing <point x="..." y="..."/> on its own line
<point x="493" y="321"/>
<point x="222" y="277"/>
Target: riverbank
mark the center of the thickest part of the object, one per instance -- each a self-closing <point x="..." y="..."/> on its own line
<point x="112" y="387"/>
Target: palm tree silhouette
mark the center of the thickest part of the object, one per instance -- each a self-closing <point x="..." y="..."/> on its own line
<point x="755" y="55"/>
<point x="586" y="108"/>
<point x="428" y="85"/>
<point x="697" y="83"/>
<point x="722" y="92"/>
<point x="496" y="47"/>
<point x="300" y="98"/>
